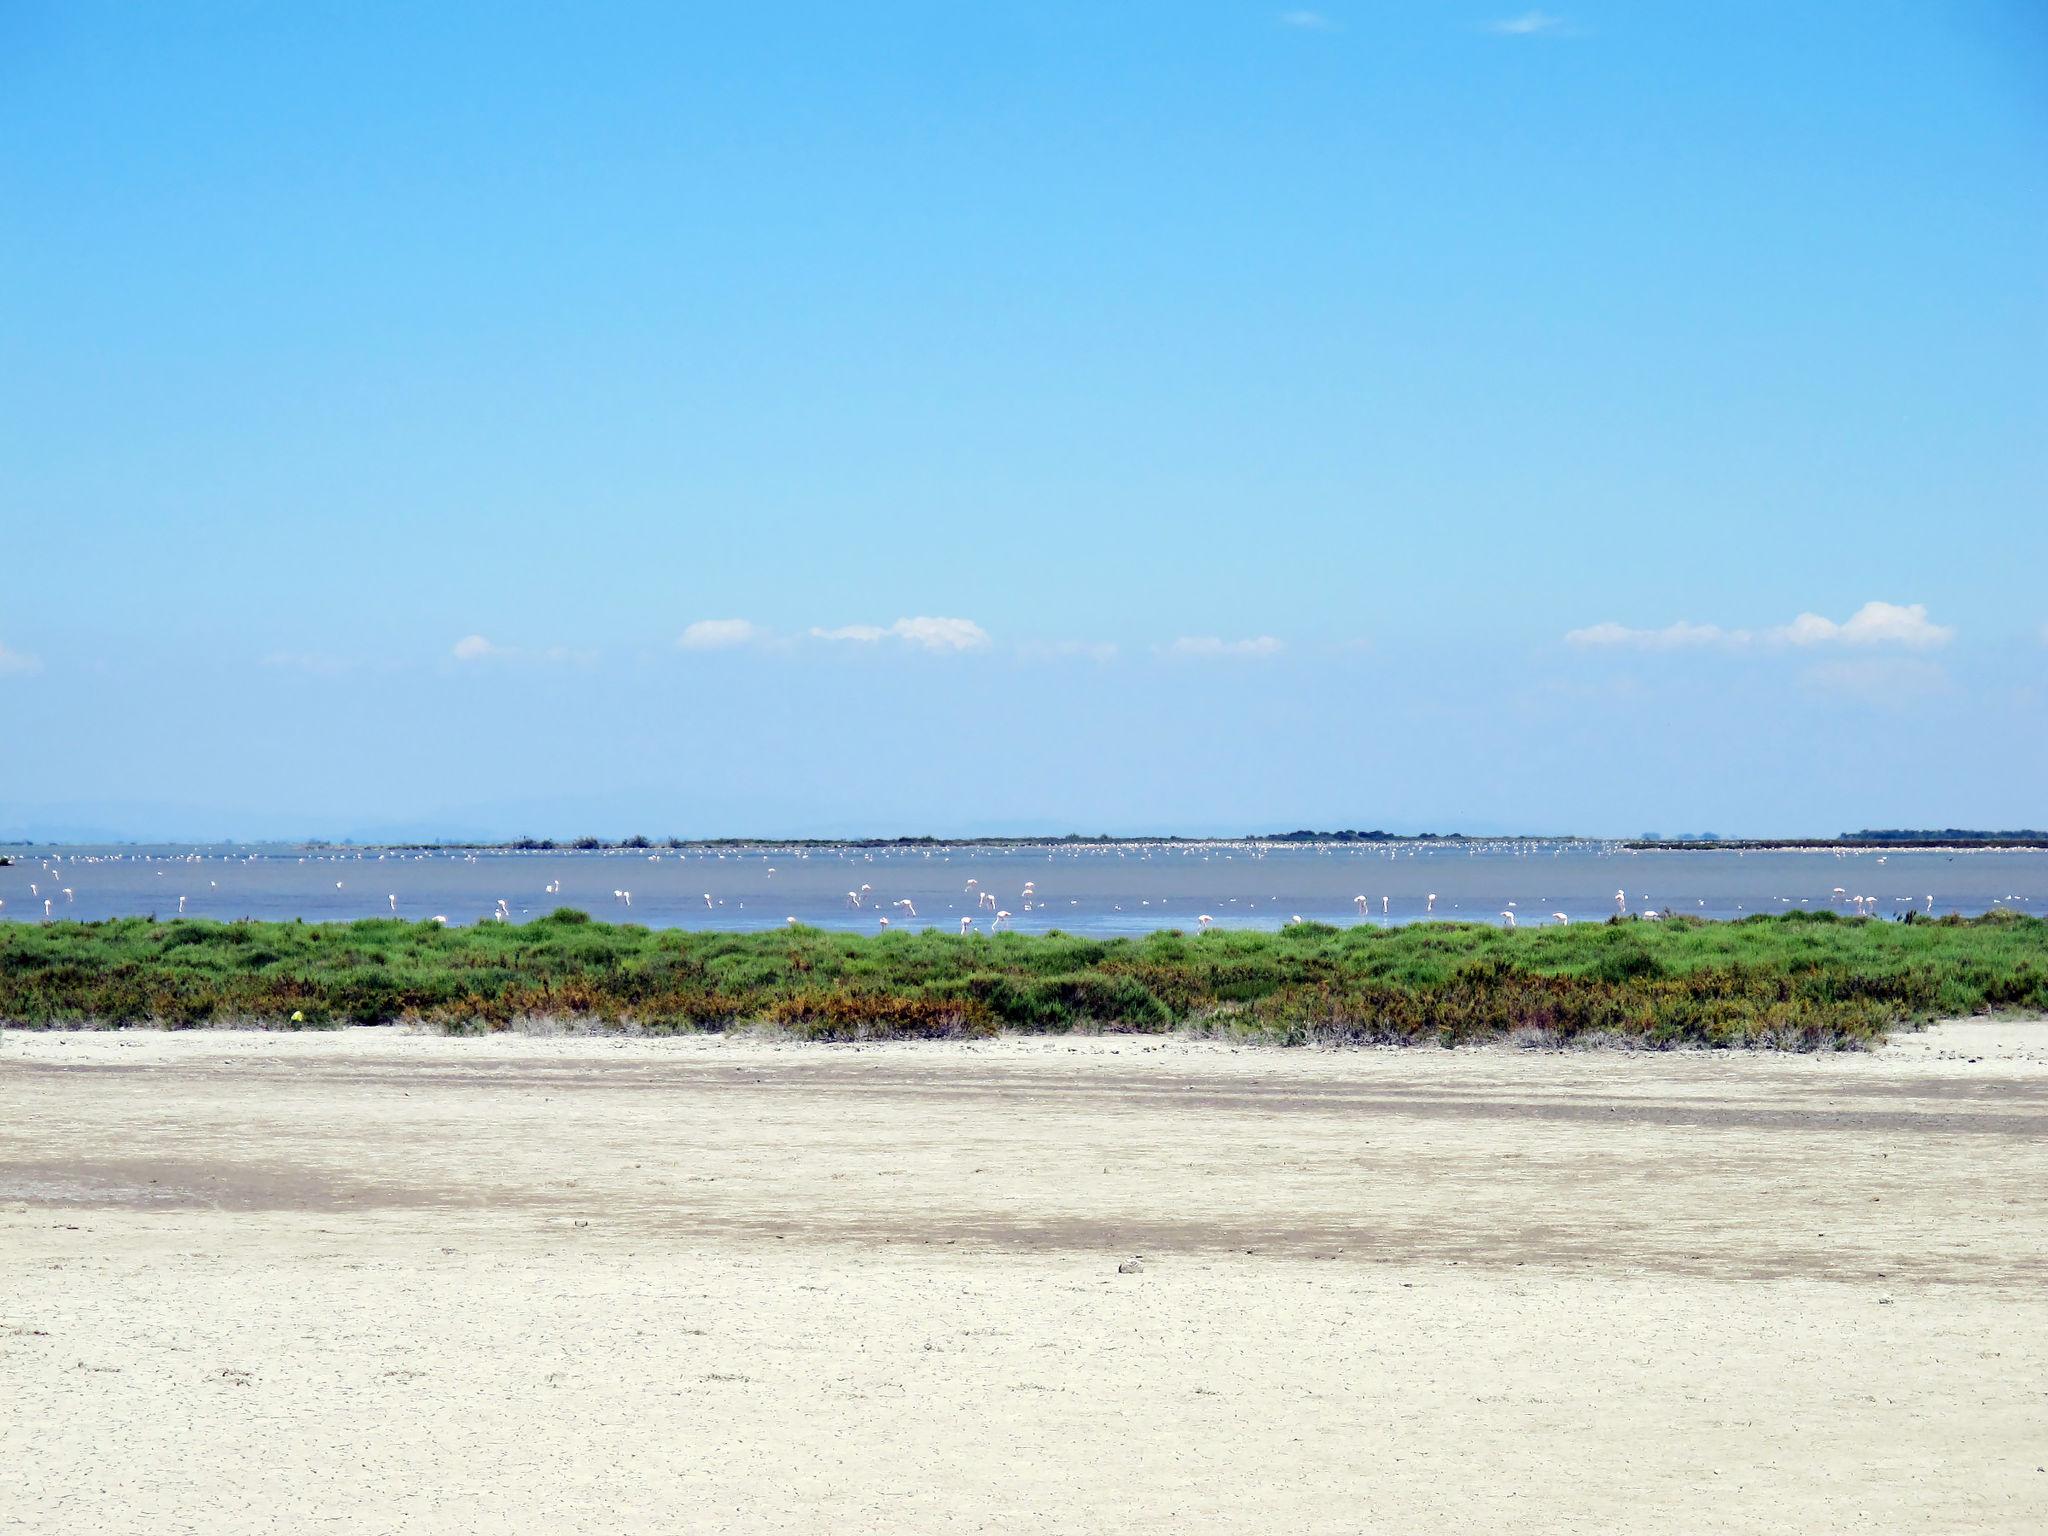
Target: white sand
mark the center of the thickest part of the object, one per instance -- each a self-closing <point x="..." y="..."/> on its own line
<point x="376" y="1282"/>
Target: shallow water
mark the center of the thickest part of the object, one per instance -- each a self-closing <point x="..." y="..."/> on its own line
<point x="1127" y="888"/>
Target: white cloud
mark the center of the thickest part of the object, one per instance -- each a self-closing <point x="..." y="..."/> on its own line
<point x="720" y="635"/>
<point x="19" y="663"/>
<point x="1528" y="24"/>
<point x="1307" y="21"/>
<point x="1872" y="624"/>
<point x="941" y="634"/>
<point x="931" y="634"/>
<point x="1210" y="645"/>
<point x="476" y="648"/>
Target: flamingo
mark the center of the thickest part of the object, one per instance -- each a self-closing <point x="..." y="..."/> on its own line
<point x="1560" y="919"/>
<point x="1621" y="901"/>
<point x="1429" y="902"/>
<point x="883" y="921"/>
<point x="1001" y="918"/>
<point x="907" y="907"/>
<point x="1362" y="903"/>
<point x="988" y="899"/>
<point x="1509" y="918"/>
<point x="394" y="902"/>
<point x="441" y="918"/>
<point x="1383" y="906"/>
<point x="707" y="901"/>
<point x="966" y="923"/>
<point x="1205" y="920"/>
<point x="181" y="904"/>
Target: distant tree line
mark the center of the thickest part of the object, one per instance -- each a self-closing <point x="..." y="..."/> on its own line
<point x="1944" y="835"/>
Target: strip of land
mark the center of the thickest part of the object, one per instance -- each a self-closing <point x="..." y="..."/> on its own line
<point x="388" y="1279"/>
<point x="1801" y="981"/>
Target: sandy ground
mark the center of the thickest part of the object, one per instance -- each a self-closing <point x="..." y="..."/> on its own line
<point x="370" y="1281"/>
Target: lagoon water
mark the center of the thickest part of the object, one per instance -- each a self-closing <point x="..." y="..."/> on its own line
<point x="1123" y="888"/>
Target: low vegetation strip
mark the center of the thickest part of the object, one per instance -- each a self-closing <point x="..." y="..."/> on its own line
<point x="1801" y="981"/>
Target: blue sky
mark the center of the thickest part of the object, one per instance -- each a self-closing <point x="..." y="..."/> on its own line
<point x="926" y="417"/>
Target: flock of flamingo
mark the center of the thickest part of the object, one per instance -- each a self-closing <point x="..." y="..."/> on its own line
<point x="59" y="867"/>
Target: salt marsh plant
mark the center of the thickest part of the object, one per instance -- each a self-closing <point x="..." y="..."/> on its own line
<point x="1802" y="981"/>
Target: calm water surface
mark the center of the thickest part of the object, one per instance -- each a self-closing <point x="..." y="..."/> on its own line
<point x="1128" y="888"/>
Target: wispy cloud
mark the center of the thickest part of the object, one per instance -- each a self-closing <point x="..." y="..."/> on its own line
<point x="720" y="635"/>
<point x="1885" y="681"/>
<point x="316" y="663"/>
<point x="1875" y="623"/>
<point x="924" y="632"/>
<point x="18" y="663"/>
<point x="1671" y="637"/>
<point x="1307" y="21"/>
<point x="471" y="649"/>
<point x="1528" y="24"/>
<point x="1068" y="650"/>
<point x="1209" y="646"/>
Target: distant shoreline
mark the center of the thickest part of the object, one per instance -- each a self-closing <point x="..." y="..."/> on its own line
<point x="1931" y="842"/>
<point x="1825" y="844"/>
